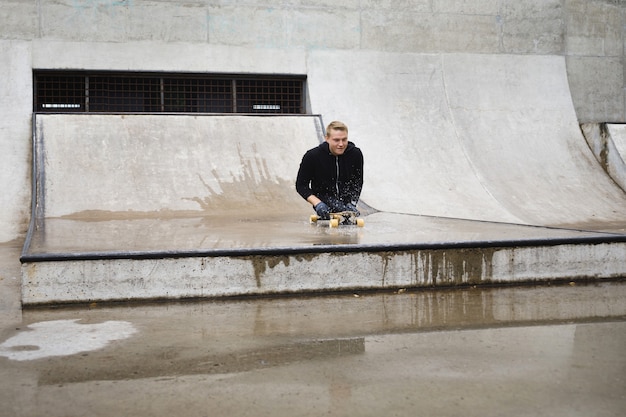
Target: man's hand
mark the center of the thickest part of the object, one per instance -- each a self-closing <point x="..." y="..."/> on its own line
<point x="322" y="210"/>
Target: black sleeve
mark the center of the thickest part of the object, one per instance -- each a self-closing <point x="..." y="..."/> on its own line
<point x="305" y="174"/>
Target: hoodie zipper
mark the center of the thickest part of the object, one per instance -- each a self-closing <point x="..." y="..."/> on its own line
<point x="337" y="178"/>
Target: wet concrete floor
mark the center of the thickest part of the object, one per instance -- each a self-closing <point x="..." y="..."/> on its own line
<point x="71" y="237"/>
<point x="509" y="351"/>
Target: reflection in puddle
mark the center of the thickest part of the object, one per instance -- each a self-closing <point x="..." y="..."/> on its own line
<point x="181" y="361"/>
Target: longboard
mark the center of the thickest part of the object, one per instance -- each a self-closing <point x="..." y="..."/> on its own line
<point x="341" y="218"/>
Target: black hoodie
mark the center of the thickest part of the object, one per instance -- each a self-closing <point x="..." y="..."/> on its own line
<point x="331" y="177"/>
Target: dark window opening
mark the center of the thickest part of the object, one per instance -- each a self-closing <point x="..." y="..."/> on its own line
<point x="91" y="92"/>
<point x="259" y="96"/>
<point x="123" y="94"/>
<point x="192" y="95"/>
<point x="58" y="93"/>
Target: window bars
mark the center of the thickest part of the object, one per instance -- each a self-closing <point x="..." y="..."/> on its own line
<point x="58" y="91"/>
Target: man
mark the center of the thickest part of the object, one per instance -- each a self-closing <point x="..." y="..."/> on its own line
<point x="330" y="177"/>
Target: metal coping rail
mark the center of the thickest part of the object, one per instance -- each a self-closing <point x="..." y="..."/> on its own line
<point x="319" y="249"/>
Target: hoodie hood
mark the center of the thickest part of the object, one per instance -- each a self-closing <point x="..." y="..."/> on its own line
<point x="326" y="148"/>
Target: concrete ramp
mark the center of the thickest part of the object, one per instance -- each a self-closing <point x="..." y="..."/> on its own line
<point x="485" y="137"/>
<point x="105" y="167"/>
<point x="608" y="143"/>
<point x="618" y="136"/>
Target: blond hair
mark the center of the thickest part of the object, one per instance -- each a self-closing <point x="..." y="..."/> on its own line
<point x="336" y="125"/>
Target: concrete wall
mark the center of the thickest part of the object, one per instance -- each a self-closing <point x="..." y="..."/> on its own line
<point x="594" y="47"/>
<point x="276" y="37"/>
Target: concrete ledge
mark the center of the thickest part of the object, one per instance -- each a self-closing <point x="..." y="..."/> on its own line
<point x="178" y="276"/>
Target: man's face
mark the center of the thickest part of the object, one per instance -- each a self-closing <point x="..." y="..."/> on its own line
<point x="337" y="141"/>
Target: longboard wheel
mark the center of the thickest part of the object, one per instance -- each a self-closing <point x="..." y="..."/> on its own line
<point x="314" y="218"/>
<point x="360" y="222"/>
<point x="333" y="223"/>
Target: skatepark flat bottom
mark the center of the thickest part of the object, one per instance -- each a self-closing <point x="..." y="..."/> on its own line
<point x="224" y="234"/>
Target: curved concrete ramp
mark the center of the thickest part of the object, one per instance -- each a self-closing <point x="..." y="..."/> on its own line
<point x="103" y="167"/>
<point x="608" y="144"/>
<point x="618" y="135"/>
<point x="484" y="137"/>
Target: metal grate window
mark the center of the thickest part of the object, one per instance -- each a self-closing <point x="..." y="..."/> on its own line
<point x="123" y="94"/>
<point x="190" y="95"/>
<point x="58" y="93"/>
<point x="171" y="93"/>
<point x="274" y="96"/>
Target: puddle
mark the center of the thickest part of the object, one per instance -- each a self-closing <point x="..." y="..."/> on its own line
<point x="63" y="338"/>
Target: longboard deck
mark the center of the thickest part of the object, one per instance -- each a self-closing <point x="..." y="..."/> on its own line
<point x="340" y="218"/>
